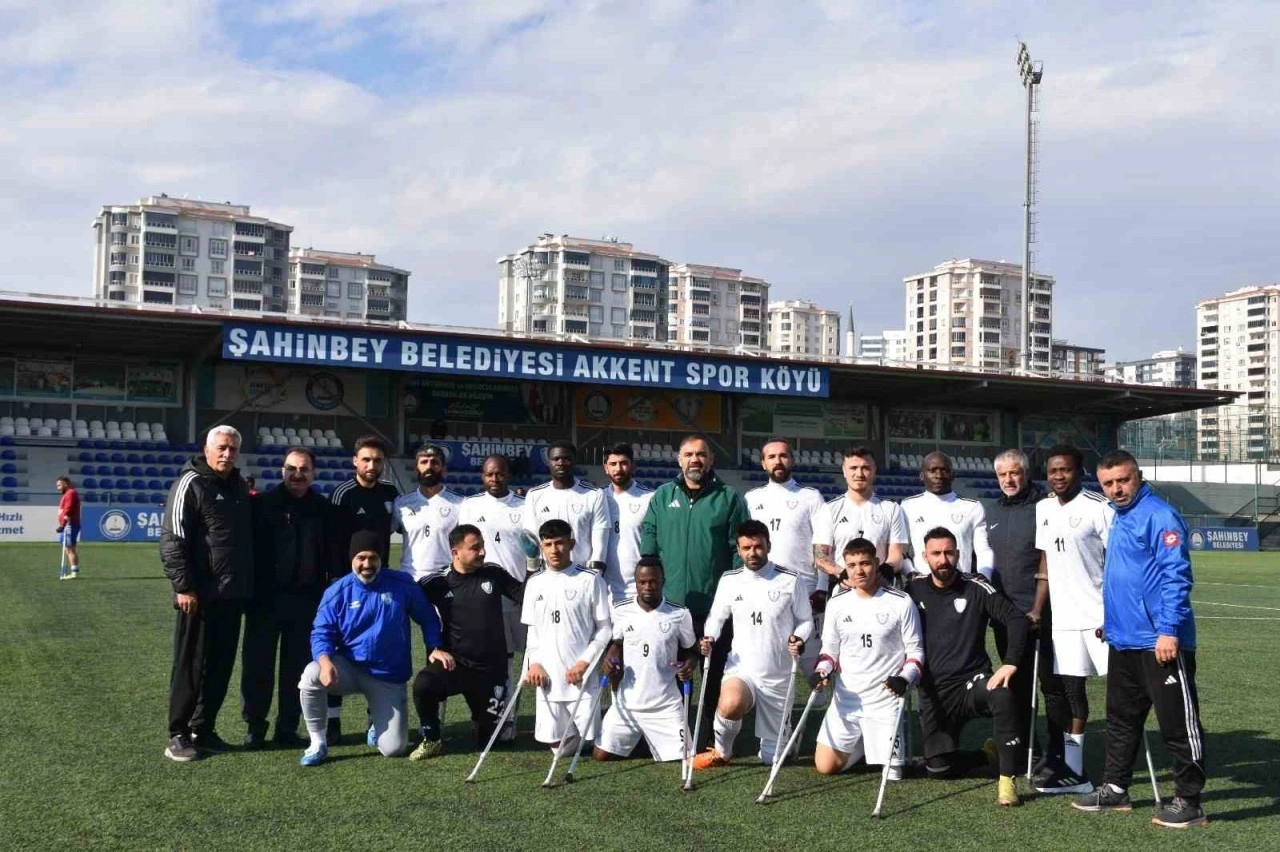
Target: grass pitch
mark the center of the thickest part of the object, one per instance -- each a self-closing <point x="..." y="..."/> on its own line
<point x="84" y="667"/>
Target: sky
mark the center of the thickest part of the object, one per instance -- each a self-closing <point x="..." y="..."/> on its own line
<point x="832" y="148"/>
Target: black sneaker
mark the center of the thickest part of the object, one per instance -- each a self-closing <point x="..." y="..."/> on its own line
<point x="1180" y="813"/>
<point x="290" y="739"/>
<point x="1103" y="798"/>
<point x="333" y="731"/>
<point x="1059" y="783"/>
<point x="210" y="742"/>
<point x="255" y="741"/>
<point x="180" y="749"/>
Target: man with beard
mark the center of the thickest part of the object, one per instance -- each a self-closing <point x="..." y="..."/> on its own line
<point x="652" y="640"/>
<point x="360" y="644"/>
<point x="498" y="513"/>
<point x="573" y="500"/>
<point x="691" y="525"/>
<point x="469" y="597"/>
<point x="366" y="501"/>
<point x="206" y="547"/>
<point x="297" y="551"/>
<point x="627" y="502"/>
<point x="860" y="513"/>
<point x="958" y="684"/>
<point x="426" y="515"/>
<point x="799" y="531"/>
<point x="939" y="506"/>
<point x="772" y="620"/>
<point x="1072" y="526"/>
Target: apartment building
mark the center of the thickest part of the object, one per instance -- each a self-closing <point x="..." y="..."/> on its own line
<point x="1171" y="368"/>
<point x="717" y="305"/>
<point x="800" y="327"/>
<point x="889" y="346"/>
<point x="594" y="288"/>
<point x="348" y="285"/>
<point x="1237" y="348"/>
<point x="1072" y="361"/>
<point x="968" y="314"/>
<point x="178" y="251"/>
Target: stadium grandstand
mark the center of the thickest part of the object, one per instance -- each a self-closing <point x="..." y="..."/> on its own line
<point x="119" y="397"/>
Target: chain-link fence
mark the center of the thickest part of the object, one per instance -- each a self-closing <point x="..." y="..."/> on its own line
<point x="1227" y="434"/>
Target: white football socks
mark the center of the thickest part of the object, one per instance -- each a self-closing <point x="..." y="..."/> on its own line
<point x="1074" y="752"/>
<point x="726" y="731"/>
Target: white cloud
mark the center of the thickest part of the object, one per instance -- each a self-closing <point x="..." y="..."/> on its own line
<point x="832" y="148"/>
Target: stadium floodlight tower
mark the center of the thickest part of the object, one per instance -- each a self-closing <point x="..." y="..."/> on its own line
<point x="1031" y="73"/>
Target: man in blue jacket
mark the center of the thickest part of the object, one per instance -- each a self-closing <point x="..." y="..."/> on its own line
<point x="1151" y="630"/>
<point x="360" y="642"/>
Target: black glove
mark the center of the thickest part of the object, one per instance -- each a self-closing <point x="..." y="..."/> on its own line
<point x="818" y="602"/>
<point x="896" y="685"/>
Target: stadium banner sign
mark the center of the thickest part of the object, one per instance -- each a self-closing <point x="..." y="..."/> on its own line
<point x="285" y="390"/>
<point x="1223" y="538"/>
<point x="120" y="523"/>
<point x="470" y="455"/>
<point x="28" y="523"/>
<point x="807" y="418"/>
<point x="443" y="398"/>
<point x="623" y="408"/>
<point x="428" y="353"/>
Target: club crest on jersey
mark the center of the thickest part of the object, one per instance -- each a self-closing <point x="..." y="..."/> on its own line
<point x="386" y="598"/>
<point x="665" y="626"/>
<point x="960" y="603"/>
<point x="957" y="517"/>
<point x="515" y="517"/>
<point x="1075" y="522"/>
<point x="635" y="507"/>
<point x="575" y="507"/>
<point x="877" y="518"/>
<point x="1171" y="538"/>
<point x="774" y="594"/>
<point x="882" y="617"/>
<point x="791" y="504"/>
<point x="487" y="586"/>
<point x="570" y="594"/>
<point x="444" y="511"/>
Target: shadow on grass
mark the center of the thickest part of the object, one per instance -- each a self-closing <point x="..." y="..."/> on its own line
<point x="951" y="794"/>
<point x="820" y="784"/>
<point x="1249" y="759"/>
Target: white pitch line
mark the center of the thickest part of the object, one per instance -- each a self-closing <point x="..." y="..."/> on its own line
<point x="1237" y="618"/>
<point x="1241" y="586"/>
<point x="1236" y="606"/>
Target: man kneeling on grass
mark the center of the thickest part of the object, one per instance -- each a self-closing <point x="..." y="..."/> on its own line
<point x="360" y="643"/>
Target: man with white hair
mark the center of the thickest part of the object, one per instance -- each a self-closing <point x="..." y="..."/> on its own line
<point x="206" y="547"/>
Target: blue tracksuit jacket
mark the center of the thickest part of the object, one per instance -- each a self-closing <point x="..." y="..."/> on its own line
<point x="1146" y="585"/>
<point x="370" y="624"/>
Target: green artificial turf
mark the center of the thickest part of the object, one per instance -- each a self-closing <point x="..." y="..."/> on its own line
<point x="83" y="675"/>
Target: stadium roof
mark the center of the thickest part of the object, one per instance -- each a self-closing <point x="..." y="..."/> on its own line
<point x="68" y="326"/>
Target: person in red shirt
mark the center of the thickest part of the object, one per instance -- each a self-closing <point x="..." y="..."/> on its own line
<point x="69" y="525"/>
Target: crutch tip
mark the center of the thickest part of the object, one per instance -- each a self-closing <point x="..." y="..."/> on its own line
<point x="568" y="779"/>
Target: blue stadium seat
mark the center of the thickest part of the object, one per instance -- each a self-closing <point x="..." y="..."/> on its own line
<point x="151" y="471"/>
<point x="101" y="457"/>
<point x="169" y="472"/>
<point x="90" y="482"/>
<point x="133" y="458"/>
<point x="138" y="484"/>
<point x="136" y="470"/>
<point x="86" y="457"/>
<point x="120" y="470"/>
<point x="155" y="485"/>
<point x="6" y="441"/>
<point x="149" y="458"/>
<point x="117" y="458"/>
<point x="124" y="497"/>
<point x="91" y="497"/>
<point x="9" y="482"/>
<point x="8" y="455"/>
<point x="9" y="497"/>
<point x="88" y="470"/>
<point x="142" y="498"/>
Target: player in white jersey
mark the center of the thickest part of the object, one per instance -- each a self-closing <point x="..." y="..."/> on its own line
<point x="799" y="530"/>
<point x="566" y="608"/>
<point x="626" y="501"/>
<point x="860" y="513"/>
<point x="498" y="512"/>
<point x="425" y="517"/>
<point x="577" y="501"/>
<point x="1072" y="526"/>
<point x="771" y="620"/>
<point x="653" y="644"/>
<point x="871" y="642"/>
<point x="939" y="506"/>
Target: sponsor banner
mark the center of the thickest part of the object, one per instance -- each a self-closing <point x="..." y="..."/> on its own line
<point x="153" y="384"/>
<point x="968" y="428"/>
<point x="434" y="353"/>
<point x="470" y="455"/>
<point x="90" y="381"/>
<point x="120" y="523"/>
<point x="1223" y="538"/>
<point x="622" y="408"/>
<point x="809" y="418"/>
<point x="433" y="398"/>
<point x="28" y="523"/>
<point x="43" y="378"/>
<point x="285" y="390"/>
<point x="913" y="425"/>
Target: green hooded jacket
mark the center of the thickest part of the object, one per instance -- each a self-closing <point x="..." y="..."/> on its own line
<point x="693" y="532"/>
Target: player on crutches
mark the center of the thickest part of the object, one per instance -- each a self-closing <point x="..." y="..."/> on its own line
<point x="772" y="618"/>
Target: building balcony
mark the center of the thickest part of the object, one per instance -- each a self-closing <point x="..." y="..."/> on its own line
<point x="646" y="317"/>
<point x="644" y="282"/>
<point x="577" y="259"/>
<point x="247" y="287"/>
<point x="576" y="294"/>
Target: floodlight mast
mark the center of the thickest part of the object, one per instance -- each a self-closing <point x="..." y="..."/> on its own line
<point x="1031" y="73"/>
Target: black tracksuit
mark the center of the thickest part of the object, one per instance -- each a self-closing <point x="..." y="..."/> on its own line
<point x="299" y="549"/>
<point x="953" y="689"/>
<point x="1011" y="532"/>
<point x="367" y="509"/>
<point x="206" y="548"/>
<point x="470" y="607"/>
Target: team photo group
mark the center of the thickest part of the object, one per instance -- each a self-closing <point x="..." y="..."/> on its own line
<point x="654" y="624"/>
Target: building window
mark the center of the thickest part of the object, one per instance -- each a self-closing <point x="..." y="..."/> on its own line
<point x="621" y="331"/>
<point x="595" y="313"/>
<point x="355" y="291"/>
<point x="597" y="278"/>
<point x="619" y="265"/>
<point x="333" y="289"/>
<point x="216" y="286"/>
<point x="246" y="305"/>
<point x="188" y="284"/>
<point x="618" y="315"/>
<point x="189" y="245"/>
<point x="619" y="281"/>
<point x="187" y="264"/>
<point x="217" y="248"/>
<point x="217" y="267"/>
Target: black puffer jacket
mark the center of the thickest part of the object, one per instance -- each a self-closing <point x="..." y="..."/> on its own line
<point x="1011" y="531"/>
<point x="206" y="537"/>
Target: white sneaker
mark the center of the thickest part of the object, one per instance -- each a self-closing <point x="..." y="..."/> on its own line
<point x="895" y="773"/>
